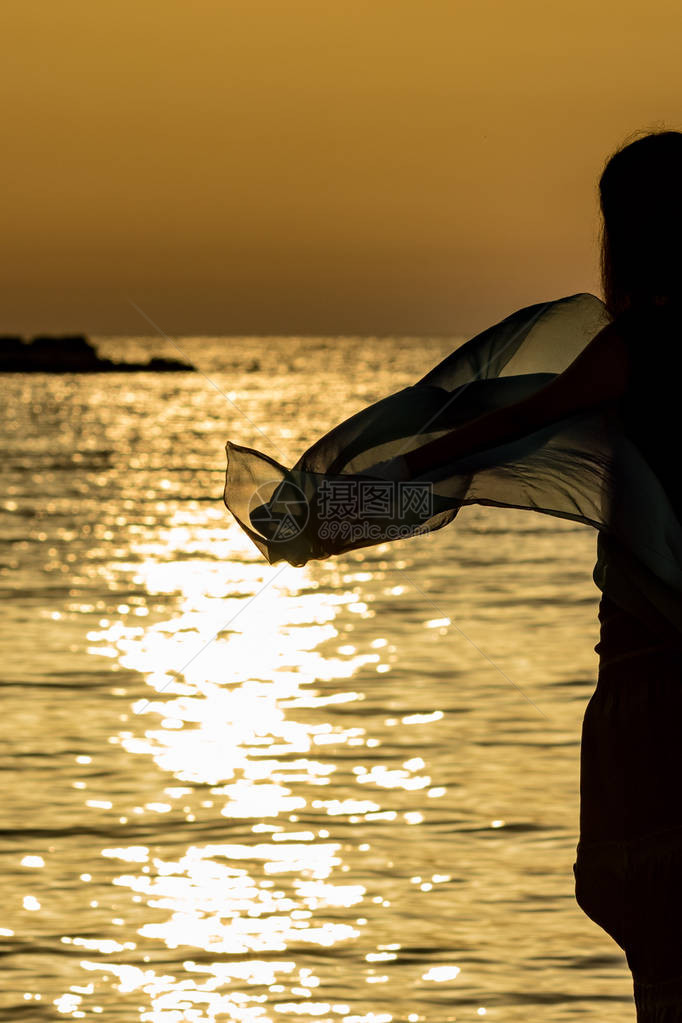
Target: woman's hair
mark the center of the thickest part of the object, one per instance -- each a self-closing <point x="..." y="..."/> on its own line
<point x="640" y="192"/>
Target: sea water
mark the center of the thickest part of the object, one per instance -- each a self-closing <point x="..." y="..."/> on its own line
<point x="235" y="791"/>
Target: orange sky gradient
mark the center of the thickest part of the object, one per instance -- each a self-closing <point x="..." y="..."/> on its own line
<point x="262" y="167"/>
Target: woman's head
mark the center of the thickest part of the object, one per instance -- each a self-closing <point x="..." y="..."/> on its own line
<point x="640" y="193"/>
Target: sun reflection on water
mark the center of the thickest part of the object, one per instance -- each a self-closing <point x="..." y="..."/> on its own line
<point x="234" y="713"/>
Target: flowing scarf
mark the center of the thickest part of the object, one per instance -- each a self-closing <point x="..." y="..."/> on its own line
<point x="352" y="489"/>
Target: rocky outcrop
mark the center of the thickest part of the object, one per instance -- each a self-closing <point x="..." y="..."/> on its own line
<point x="72" y="354"/>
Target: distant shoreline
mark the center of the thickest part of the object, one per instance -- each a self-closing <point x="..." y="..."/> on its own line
<point x="72" y="353"/>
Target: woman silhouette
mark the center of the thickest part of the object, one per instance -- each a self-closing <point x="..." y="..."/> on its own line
<point x="591" y="438"/>
<point x="629" y="863"/>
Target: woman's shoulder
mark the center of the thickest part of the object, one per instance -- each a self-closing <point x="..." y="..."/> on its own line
<point x="639" y="325"/>
<point x="651" y="315"/>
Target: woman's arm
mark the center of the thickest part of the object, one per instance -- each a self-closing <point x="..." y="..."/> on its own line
<point x="598" y="375"/>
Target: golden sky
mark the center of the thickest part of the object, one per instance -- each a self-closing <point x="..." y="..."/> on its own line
<point x="319" y="167"/>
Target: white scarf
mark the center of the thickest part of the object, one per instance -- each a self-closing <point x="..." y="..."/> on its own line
<point x="582" y="467"/>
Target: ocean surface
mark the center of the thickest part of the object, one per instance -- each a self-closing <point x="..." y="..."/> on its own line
<point x="234" y="791"/>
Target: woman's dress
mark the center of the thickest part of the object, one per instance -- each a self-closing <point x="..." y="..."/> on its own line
<point x="628" y="868"/>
